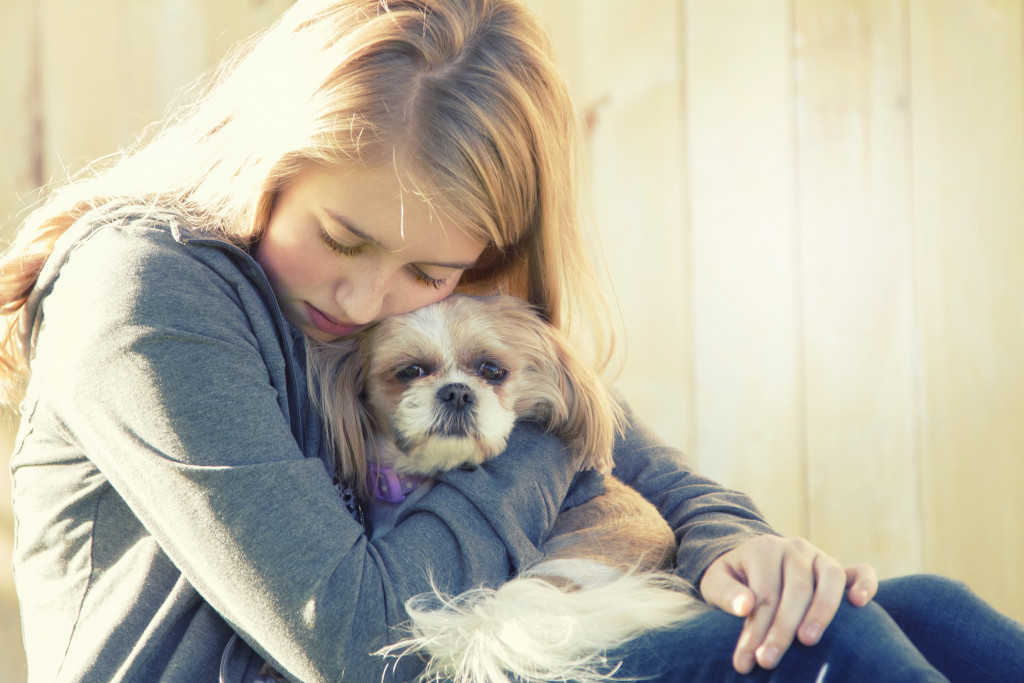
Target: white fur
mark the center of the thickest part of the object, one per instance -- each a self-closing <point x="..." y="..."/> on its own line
<point x="534" y="631"/>
<point x="416" y="414"/>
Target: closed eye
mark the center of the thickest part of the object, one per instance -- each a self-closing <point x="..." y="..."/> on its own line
<point x="435" y="282"/>
<point x="345" y="250"/>
<point x="338" y="247"/>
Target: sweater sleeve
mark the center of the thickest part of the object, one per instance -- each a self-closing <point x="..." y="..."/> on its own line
<point x="150" y="361"/>
<point x="708" y="519"/>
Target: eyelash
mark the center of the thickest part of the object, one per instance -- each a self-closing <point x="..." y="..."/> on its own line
<point x="436" y="283"/>
<point x="336" y="247"/>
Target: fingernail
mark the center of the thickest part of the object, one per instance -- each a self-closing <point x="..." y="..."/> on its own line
<point x="768" y="656"/>
<point x="813" y="632"/>
<point x="745" y="663"/>
<point x="737" y="605"/>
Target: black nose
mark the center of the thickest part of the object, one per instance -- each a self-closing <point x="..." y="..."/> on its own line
<point x="455" y="395"/>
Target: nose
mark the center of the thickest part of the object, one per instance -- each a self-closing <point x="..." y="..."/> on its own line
<point x="456" y="395"/>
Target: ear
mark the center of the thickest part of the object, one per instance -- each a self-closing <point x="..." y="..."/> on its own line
<point x="568" y="397"/>
<point x="337" y="381"/>
<point x="592" y="417"/>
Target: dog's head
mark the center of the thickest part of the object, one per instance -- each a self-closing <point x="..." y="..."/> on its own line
<point x="446" y="384"/>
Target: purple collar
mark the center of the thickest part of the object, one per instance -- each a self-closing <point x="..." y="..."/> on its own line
<point x="390" y="486"/>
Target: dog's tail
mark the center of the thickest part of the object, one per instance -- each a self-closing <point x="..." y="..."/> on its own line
<point x="534" y="631"/>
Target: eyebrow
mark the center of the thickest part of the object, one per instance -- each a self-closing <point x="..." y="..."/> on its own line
<point x="370" y="239"/>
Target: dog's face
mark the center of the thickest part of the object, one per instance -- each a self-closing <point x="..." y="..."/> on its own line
<point x="446" y="383"/>
<point x="443" y="386"/>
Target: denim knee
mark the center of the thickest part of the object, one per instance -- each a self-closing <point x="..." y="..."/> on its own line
<point x="864" y="643"/>
<point x="958" y="632"/>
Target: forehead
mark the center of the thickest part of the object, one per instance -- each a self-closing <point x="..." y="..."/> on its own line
<point x="380" y="204"/>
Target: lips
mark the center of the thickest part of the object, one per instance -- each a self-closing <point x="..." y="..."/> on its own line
<point x="329" y="325"/>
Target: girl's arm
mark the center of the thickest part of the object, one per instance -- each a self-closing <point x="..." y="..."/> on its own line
<point x="708" y="518"/>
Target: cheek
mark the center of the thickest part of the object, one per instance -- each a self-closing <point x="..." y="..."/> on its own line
<point x="384" y="395"/>
<point x="288" y="263"/>
<point x="275" y="254"/>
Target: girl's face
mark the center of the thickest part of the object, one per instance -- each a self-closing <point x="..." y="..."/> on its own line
<point x="345" y="247"/>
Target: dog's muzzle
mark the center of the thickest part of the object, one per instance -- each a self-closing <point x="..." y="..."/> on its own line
<point x="455" y="413"/>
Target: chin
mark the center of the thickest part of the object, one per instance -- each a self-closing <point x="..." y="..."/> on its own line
<point x="442" y="388"/>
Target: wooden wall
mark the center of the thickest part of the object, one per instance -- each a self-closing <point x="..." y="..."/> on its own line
<point x="813" y="212"/>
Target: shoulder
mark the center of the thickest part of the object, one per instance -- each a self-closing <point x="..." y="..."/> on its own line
<point x="123" y="238"/>
<point x="129" y="249"/>
<point x="137" y="265"/>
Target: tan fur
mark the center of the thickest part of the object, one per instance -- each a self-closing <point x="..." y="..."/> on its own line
<point x="619" y="528"/>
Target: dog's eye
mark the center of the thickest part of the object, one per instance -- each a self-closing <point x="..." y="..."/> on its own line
<point x="410" y="372"/>
<point x="492" y="373"/>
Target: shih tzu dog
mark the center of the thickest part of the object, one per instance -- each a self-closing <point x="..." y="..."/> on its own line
<point x="442" y="387"/>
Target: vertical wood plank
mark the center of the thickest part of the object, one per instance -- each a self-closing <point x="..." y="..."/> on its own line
<point x="968" y="141"/>
<point x="749" y="402"/>
<point x="111" y="67"/>
<point x="857" y="281"/>
<point x="624" y="72"/>
<point x="638" y="200"/>
<point x="79" y="74"/>
<point x="19" y="112"/>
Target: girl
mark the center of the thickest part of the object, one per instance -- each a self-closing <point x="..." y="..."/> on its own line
<point x="177" y="517"/>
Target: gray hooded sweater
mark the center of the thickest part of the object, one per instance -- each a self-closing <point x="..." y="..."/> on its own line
<point x="171" y="486"/>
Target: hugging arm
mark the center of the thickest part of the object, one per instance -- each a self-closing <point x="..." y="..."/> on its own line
<point x="708" y="519"/>
<point x="785" y="588"/>
<point x="164" y="401"/>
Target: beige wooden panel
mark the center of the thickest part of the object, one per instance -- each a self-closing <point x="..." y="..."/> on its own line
<point x="857" y="281"/>
<point x="111" y="67"/>
<point x="624" y="72"/>
<point x="18" y="111"/>
<point x="638" y="199"/>
<point x="749" y="400"/>
<point x="968" y="125"/>
<point x="18" y="115"/>
<point x="83" y="109"/>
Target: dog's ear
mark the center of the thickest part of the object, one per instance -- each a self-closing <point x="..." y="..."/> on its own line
<point x="592" y="417"/>
<point x="337" y="381"/>
<point x="567" y="396"/>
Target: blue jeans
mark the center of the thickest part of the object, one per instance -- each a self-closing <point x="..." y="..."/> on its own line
<point x="918" y="628"/>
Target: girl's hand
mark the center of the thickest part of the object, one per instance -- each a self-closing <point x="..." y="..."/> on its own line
<point x="785" y="588"/>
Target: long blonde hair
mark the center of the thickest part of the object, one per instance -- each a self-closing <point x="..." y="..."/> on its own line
<point x="463" y="92"/>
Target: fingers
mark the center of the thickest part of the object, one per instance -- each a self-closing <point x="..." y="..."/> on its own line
<point x="753" y="646"/>
<point x="724" y="587"/>
<point x="786" y="589"/>
<point x="830" y="583"/>
<point x="795" y="602"/>
<point x="861" y="584"/>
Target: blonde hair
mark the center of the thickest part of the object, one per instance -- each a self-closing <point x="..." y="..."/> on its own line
<point x="462" y="93"/>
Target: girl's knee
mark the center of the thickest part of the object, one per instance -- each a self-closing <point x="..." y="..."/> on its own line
<point x="864" y="643"/>
<point x="920" y="593"/>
